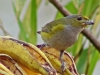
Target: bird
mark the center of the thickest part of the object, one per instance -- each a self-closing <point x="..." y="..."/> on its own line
<point x="63" y="33"/>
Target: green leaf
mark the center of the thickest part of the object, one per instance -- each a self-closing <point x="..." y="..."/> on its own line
<point x="87" y="7"/>
<point x="71" y="8"/>
<point x="78" y="45"/>
<point x="30" y="22"/>
<point x="23" y="33"/>
<point x="33" y="22"/>
<point x="90" y="6"/>
<point x="82" y="62"/>
<point x="59" y="15"/>
<point x="94" y="59"/>
<point x="14" y="8"/>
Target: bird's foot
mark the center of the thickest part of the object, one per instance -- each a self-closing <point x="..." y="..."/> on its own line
<point x="41" y="46"/>
<point x="63" y="65"/>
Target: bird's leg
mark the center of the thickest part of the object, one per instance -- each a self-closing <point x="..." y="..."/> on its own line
<point x="63" y="64"/>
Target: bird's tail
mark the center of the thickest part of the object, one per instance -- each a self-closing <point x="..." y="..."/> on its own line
<point x="39" y="32"/>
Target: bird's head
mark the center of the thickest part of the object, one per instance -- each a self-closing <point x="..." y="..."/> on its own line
<point x="79" y="20"/>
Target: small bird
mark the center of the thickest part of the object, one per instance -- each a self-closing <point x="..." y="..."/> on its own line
<point x="63" y="33"/>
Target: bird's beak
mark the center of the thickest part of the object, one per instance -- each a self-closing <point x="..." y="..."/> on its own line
<point x="89" y="22"/>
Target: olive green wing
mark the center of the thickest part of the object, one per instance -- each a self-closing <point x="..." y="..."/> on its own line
<point x="53" y="26"/>
<point x="48" y="27"/>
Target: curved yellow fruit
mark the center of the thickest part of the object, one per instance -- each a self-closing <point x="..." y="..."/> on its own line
<point x="53" y="56"/>
<point x="28" y="71"/>
<point x="27" y="54"/>
<point x="4" y="70"/>
<point x="10" y="66"/>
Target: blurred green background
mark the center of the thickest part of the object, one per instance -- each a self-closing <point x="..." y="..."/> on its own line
<point x="23" y="18"/>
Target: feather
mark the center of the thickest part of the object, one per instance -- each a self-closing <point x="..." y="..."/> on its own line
<point x="39" y="32"/>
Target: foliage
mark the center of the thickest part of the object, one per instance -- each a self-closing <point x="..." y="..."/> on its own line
<point x="28" y="22"/>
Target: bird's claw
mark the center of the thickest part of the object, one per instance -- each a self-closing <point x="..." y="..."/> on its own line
<point x="41" y="46"/>
<point x="63" y="66"/>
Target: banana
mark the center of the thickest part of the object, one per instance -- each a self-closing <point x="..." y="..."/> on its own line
<point x="26" y="54"/>
<point x="4" y="70"/>
<point x="12" y="67"/>
<point x="53" y="56"/>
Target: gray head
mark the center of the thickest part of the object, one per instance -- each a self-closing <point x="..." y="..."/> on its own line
<point x="79" y="20"/>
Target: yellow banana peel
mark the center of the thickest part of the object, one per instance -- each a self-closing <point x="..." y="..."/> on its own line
<point x="26" y="54"/>
<point x="53" y="55"/>
<point x="30" y="60"/>
<point x="10" y="66"/>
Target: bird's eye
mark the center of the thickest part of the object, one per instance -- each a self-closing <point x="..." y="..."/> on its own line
<point x="79" y="18"/>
